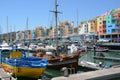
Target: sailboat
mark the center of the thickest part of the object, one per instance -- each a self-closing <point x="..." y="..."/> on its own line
<point x="56" y="60"/>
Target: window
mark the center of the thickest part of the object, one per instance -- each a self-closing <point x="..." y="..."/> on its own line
<point x="108" y="21"/>
<point x="110" y="26"/>
<point x="104" y="22"/>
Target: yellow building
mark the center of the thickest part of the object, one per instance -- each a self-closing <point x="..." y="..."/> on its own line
<point x="99" y="23"/>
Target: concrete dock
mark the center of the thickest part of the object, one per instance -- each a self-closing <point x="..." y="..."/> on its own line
<point x="93" y="75"/>
<point x="5" y="76"/>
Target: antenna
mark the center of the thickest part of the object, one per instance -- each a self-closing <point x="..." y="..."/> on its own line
<point x="56" y="15"/>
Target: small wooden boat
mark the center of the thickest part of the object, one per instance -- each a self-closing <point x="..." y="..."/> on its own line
<point x="21" y="66"/>
<point x="69" y="61"/>
<point x="61" y="60"/>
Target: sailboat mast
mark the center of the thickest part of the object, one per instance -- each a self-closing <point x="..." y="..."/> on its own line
<point x="27" y="24"/>
<point x="77" y="17"/>
<point x="7" y="30"/>
<point x="0" y="34"/>
<point x="0" y="30"/>
<point x="25" y="32"/>
<point x="56" y="26"/>
<point x="56" y="15"/>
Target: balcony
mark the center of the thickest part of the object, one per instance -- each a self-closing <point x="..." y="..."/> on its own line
<point x="115" y="18"/>
<point x="116" y="31"/>
<point x="117" y="26"/>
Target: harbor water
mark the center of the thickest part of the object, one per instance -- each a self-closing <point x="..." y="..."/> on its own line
<point x="50" y="73"/>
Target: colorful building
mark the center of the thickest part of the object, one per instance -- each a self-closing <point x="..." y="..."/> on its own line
<point x="113" y="25"/>
<point x="33" y="34"/>
<point x="40" y="32"/>
<point x="83" y="28"/>
<point x="92" y="26"/>
<point x="105" y="26"/>
<point x="66" y="28"/>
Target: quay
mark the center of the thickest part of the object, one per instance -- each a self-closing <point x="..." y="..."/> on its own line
<point x="5" y="76"/>
<point x="93" y="75"/>
<point x="107" y="58"/>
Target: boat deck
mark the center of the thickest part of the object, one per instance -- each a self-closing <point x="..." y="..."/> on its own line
<point x="93" y="75"/>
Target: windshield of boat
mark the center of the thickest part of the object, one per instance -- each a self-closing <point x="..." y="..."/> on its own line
<point x="5" y="53"/>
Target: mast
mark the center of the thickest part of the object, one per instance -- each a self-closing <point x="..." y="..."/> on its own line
<point x="7" y="31"/>
<point x="25" y="31"/>
<point x="56" y="15"/>
<point x="77" y="17"/>
<point x="0" y="34"/>
<point x="10" y="34"/>
<point x="0" y="30"/>
<point x="27" y="24"/>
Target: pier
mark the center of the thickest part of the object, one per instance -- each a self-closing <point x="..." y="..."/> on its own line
<point x="93" y="75"/>
<point x="5" y="76"/>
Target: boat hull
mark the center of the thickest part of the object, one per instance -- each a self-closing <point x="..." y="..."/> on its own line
<point x="59" y="64"/>
<point x="23" y="71"/>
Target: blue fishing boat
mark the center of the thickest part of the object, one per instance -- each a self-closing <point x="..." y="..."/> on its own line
<point x="21" y="66"/>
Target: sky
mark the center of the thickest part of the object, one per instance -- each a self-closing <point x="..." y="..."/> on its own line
<point x="38" y="12"/>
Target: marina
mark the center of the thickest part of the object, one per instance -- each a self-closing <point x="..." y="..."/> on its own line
<point x="91" y="64"/>
<point x="89" y="50"/>
<point x="88" y="68"/>
<point x="51" y="73"/>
